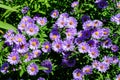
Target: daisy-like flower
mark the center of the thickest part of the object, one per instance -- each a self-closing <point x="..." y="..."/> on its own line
<point x="77" y="73"/>
<point x="85" y="18"/>
<point x="57" y="45"/>
<point x="61" y="22"/>
<point x="23" y="48"/>
<point x="87" y="69"/>
<point x="102" y="4"/>
<point x="105" y="32"/>
<point x="8" y="34"/>
<point x="71" y="22"/>
<point x="42" y="21"/>
<point x="118" y="5"/>
<point x="87" y="25"/>
<point x="107" y="60"/>
<point x="83" y="47"/>
<point x="36" y="17"/>
<point x="64" y="15"/>
<point x="114" y="48"/>
<point x="115" y="60"/>
<point x="74" y="4"/>
<point x="34" y="43"/>
<point x="93" y="43"/>
<point x="70" y="33"/>
<point x="54" y="35"/>
<point x="10" y="40"/>
<point x="116" y="18"/>
<point x="97" y="24"/>
<point x="22" y="26"/>
<point x="32" y="69"/>
<point x="41" y="78"/>
<point x="46" y="47"/>
<point x="68" y="45"/>
<point x="93" y="52"/>
<point x="79" y="40"/>
<point x="47" y="64"/>
<point x="86" y="34"/>
<point x="19" y="39"/>
<point x="80" y="33"/>
<point x="102" y="67"/>
<point x="97" y="34"/>
<point x="4" y="68"/>
<point x="28" y="57"/>
<point x="32" y="29"/>
<point x="13" y="58"/>
<point x="54" y="13"/>
<point x="36" y="53"/>
<point x="118" y="77"/>
<point x="107" y="43"/>
<point x="95" y="64"/>
<point x="25" y="10"/>
<point x="27" y="20"/>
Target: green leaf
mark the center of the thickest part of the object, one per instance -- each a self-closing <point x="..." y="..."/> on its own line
<point x="8" y="7"/>
<point x="7" y="26"/>
<point x="42" y="68"/>
<point x="1" y="44"/>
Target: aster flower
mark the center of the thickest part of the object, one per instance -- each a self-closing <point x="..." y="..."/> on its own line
<point x="77" y="73"/>
<point x="86" y="34"/>
<point x="115" y="60"/>
<point x="93" y="43"/>
<point x="114" y="48"/>
<point x="118" y="77"/>
<point x="22" y="26"/>
<point x="80" y="33"/>
<point x="102" y="67"/>
<point x="83" y="47"/>
<point x="68" y="45"/>
<point x="95" y="64"/>
<point x="102" y="4"/>
<point x="34" y="43"/>
<point x="36" y="53"/>
<point x="47" y="64"/>
<point x="61" y="22"/>
<point x="71" y="22"/>
<point x="23" y="48"/>
<point x="70" y="33"/>
<point x="54" y="14"/>
<point x="64" y="15"/>
<point x="87" y="69"/>
<point x="57" y="45"/>
<point x="116" y="18"/>
<point x="19" y="39"/>
<point x="36" y="17"/>
<point x="4" y="68"/>
<point x="78" y="40"/>
<point x="85" y="18"/>
<point x="13" y="58"/>
<point x="28" y="57"/>
<point x="97" y="34"/>
<point x="54" y="35"/>
<point x="32" y="29"/>
<point x="46" y="47"/>
<point x="27" y="20"/>
<point x="74" y="4"/>
<point x="8" y="34"/>
<point x="10" y="39"/>
<point x="87" y="25"/>
<point x="25" y="10"/>
<point x="107" y="43"/>
<point x="93" y="52"/>
<point x="41" y="78"/>
<point x="107" y="60"/>
<point x="32" y="69"/>
<point x="118" y="5"/>
<point x="42" y="21"/>
<point x="97" y="24"/>
<point x="105" y="32"/>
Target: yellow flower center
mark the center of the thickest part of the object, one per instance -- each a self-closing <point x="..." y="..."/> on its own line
<point x="83" y="48"/>
<point x="42" y="22"/>
<point x="71" y="22"/>
<point x="23" y="25"/>
<point x="87" y="70"/>
<point x="32" y="69"/>
<point x="69" y="34"/>
<point x="97" y="33"/>
<point x="19" y="39"/>
<point x="58" y="46"/>
<point x="54" y="36"/>
<point x="78" y="74"/>
<point x="47" y="46"/>
<point x="31" y="30"/>
<point x="54" y="13"/>
<point x="14" y="58"/>
<point x="93" y="53"/>
<point x="34" y="44"/>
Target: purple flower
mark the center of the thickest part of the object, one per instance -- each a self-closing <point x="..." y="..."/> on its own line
<point x="78" y="40"/>
<point x="102" y="4"/>
<point x="41" y="78"/>
<point x="87" y="25"/>
<point x="34" y="43"/>
<point x="86" y="34"/>
<point x="47" y="64"/>
<point x="77" y="73"/>
<point x="97" y="24"/>
<point x="93" y="52"/>
<point x="68" y="45"/>
<point x="10" y="40"/>
<point x="118" y="77"/>
<point x="54" y="14"/>
<point x="74" y="4"/>
<point x="93" y="43"/>
<point x="22" y="26"/>
<point x="46" y="47"/>
<point x="61" y="22"/>
<point x="8" y="34"/>
<point x="115" y="60"/>
<point x="64" y="15"/>
<point x="83" y="47"/>
<point x="102" y="67"/>
<point x="20" y="39"/>
<point x="107" y="60"/>
<point x="85" y="18"/>
<point x="27" y="20"/>
<point x="13" y="58"/>
<point x="4" y="68"/>
<point x="23" y="48"/>
<point x="97" y="34"/>
<point x="32" y="29"/>
<point x="28" y="57"/>
<point x="71" y="22"/>
<point x="105" y="32"/>
<point x="42" y="21"/>
<point x="87" y="69"/>
<point x="107" y="43"/>
<point x="57" y="45"/>
<point x="70" y="33"/>
<point x="114" y="48"/>
<point x="36" y="17"/>
<point x="54" y="35"/>
<point x="32" y="69"/>
<point x="36" y="53"/>
<point x="25" y="10"/>
<point x="95" y="64"/>
<point x="66" y="54"/>
<point x="116" y="18"/>
<point x="97" y="1"/>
